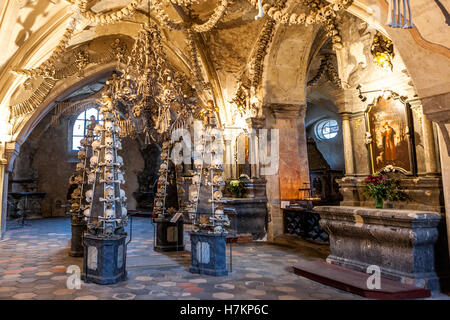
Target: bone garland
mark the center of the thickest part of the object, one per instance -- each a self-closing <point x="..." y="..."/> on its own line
<point x="321" y="12"/>
<point x="185" y="3"/>
<point x="194" y="60"/>
<point x="243" y="92"/>
<point x="326" y="65"/>
<point x="219" y="12"/>
<point x="106" y="18"/>
<point x="47" y="67"/>
<point x="164" y="18"/>
<point x="30" y="104"/>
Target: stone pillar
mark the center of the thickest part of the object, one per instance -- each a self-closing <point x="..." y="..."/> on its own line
<point x="228" y="161"/>
<point x="429" y="146"/>
<point x="254" y="124"/>
<point x="445" y="169"/>
<point x="293" y="168"/>
<point x="8" y="152"/>
<point x="3" y="196"/>
<point x="348" y="144"/>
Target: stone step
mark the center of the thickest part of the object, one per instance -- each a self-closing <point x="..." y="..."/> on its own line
<point x="356" y="282"/>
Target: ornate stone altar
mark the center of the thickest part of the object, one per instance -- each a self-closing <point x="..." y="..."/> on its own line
<point x="400" y="242"/>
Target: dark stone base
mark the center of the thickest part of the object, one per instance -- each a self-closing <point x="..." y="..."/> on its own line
<point x="76" y="243"/>
<point x="208" y="252"/>
<point x="247" y="216"/>
<point x="105" y="259"/>
<point x="400" y="242"/>
<point x="169" y="236"/>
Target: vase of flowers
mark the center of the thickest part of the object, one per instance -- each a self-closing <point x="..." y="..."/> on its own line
<point x="237" y="188"/>
<point x="380" y="188"/>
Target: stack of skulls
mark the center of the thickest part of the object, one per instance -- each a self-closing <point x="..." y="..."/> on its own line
<point x="107" y="214"/>
<point x="78" y="205"/>
<point x="159" y="207"/>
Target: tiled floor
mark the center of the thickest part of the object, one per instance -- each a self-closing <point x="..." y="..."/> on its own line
<point x="33" y="262"/>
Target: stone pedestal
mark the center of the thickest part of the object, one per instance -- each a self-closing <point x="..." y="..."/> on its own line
<point x="169" y="236"/>
<point x="208" y="254"/>
<point x="247" y="216"/>
<point x="76" y="243"/>
<point x="400" y="242"/>
<point x="105" y="259"/>
<point x="424" y="193"/>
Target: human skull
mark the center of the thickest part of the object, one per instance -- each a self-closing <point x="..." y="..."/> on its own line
<point x="124" y="212"/>
<point x="158" y="203"/>
<point x="120" y="178"/>
<point x="80" y="166"/>
<point x="109" y="126"/>
<point x="109" y="177"/>
<point x="136" y="111"/>
<point x="109" y="194"/>
<point x="78" y="179"/>
<point x="117" y="129"/>
<point x="165" y="145"/>
<point x="96" y="145"/>
<point x="193" y="195"/>
<point x="120" y="160"/>
<point x="82" y="154"/>
<point x="163" y="166"/>
<point x="217" y="195"/>
<point x="75" y="207"/>
<point x="122" y="195"/>
<point x="87" y="212"/>
<point x="118" y="145"/>
<point x="91" y="178"/>
<point x="93" y="161"/>
<point x="89" y="195"/>
<point x="109" y="142"/>
<point x="196" y="179"/>
<point x="109" y="159"/>
<point x="98" y="129"/>
<point x="164" y="155"/>
<point x="218" y="229"/>
<point x="109" y="214"/>
<point x="76" y="194"/>
<point x="217" y="179"/>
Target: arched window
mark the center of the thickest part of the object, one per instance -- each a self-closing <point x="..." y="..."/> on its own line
<point x="327" y="129"/>
<point x="79" y="126"/>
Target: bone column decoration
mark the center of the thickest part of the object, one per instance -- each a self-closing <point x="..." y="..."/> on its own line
<point x="107" y="213"/>
<point x="348" y="144"/>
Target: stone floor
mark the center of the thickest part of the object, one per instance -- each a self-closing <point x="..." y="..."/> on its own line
<point x="34" y="259"/>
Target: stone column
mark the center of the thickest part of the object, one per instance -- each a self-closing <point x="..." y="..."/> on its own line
<point x="348" y="144"/>
<point x="228" y="157"/>
<point x="8" y="152"/>
<point x="293" y="168"/>
<point x="3" y="196"/>
<point x="254" y="124"/>
<point x="445" y="169"/>
<point x="429" y="146"/>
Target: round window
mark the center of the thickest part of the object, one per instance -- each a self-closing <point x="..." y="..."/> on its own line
<point x="327" y="129"/>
